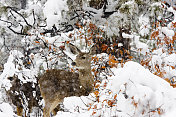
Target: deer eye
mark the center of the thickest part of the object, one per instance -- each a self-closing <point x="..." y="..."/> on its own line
<point x="83" y="57"/>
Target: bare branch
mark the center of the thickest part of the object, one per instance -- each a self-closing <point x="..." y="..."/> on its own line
<point x="20" y="15"/>
<point x="33" y="17"/>
<point x="9" y="27"/>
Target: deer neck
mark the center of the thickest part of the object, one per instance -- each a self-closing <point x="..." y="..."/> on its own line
<point x="85" y="73"/>
<point x="86" y="77"/>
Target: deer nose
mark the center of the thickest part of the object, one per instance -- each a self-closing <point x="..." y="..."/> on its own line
<point x="73" y="63"/>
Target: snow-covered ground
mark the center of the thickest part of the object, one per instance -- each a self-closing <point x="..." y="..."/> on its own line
<point x="138" y="92"/>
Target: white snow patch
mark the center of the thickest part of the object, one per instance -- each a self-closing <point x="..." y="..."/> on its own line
<point x="171" y="59"/>
<point x="6" y="110"/>
<point x="127" y="35"/>
<point x="144" y="25"/>
<point x="167" y="31"/>
<point x="143" y="47"/>
<point x="156" y="60"/>
<point x="136" y="73"/>
<point x="9" y="69"/>
<point x="145" y="87"/>
<point x="53" y="11"/>
<point x="171" y="113"/>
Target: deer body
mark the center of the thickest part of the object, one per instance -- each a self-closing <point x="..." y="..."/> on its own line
<point x="55" y="85"/>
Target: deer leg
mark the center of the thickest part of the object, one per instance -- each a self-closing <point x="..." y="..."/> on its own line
<point x="55" y="104"/>
<point x="56" y="109"/>
<point x="46" y="110"/>
<point x="49" y="107"/>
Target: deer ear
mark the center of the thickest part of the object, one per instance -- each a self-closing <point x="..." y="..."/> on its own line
<point x="92" y="50"/>
<point x="74" y="49"/>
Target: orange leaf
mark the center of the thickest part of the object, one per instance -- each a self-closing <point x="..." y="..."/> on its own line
<point x="103" y="67"/>
<point x="134" y="103"/>
<point x="104" y="100"/>
<point x="130" y="57"/>
<point x="109" y="92"/>
<point x="105" y="84"/>
<point x="72" y="70"/>
<point x="167" y="79"/>
<point x="37" y="42"/>
<point x="174" y="37"/>
<point x="96" y="93"/>
<point x="92" y="26"/>
<point x="112" y="62"/>
<point x="173" y="67"/>
<point x="115" y="96"/>
<point x="29" y="62"/>
<point x="93" y="70"/>
<point x="98" y="99"/>
<point x="154" y="34"/>
<point x="62" y="47"/>
<point x="174" y="24"/>
<point x="160" y="111"/>
<point x="104" y="47"/>
<point x="97" y="86"/>
<point x="121" y="52"/>
<point x="94" y="112"/>
<point x="50" y="47"/>
<point x="90" y="38"/>
<point x="111" y="103"/>
<point x="95" y="107"/>
<point x="95" y="59"/>
<point x="88" y="30"/>
<point x="67" y="42"/>
<point x="89" y="108"/>
<point x="54" y="49"/>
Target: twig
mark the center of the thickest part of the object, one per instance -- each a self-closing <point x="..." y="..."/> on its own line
<point x="20" y="15"/>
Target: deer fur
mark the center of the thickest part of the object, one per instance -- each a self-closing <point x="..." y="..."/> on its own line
<point x="57" y="84"/>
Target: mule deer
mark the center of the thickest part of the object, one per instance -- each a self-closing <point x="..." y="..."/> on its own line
<point x="55" y="85"/>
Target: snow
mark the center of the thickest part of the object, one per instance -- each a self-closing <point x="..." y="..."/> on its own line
<point x="126" y="35"/>
<point x="169" y="72"/>
<point x="9" y="69"/>
<point x="145" y="87"/>
<point x="171" y="59"/>
<point x="139" y="92"/>
<point x="167" y="32"/>
<point x="133" y="79"/>
<point x="144" y="25"/>
<point x="143" y="47"/>
<point x="138" y="83"/>
<point x="171" y="113"/>
<point x="53" y="10"/>
<point x="156" y="60"/>
<point x="134" y="72"/>
<point x="6" y="110"/>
